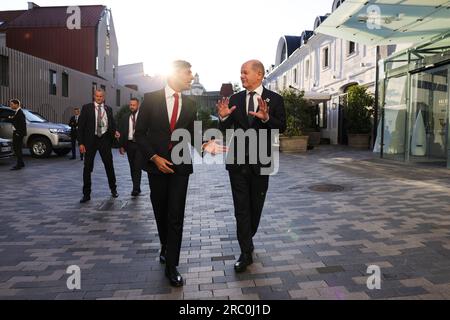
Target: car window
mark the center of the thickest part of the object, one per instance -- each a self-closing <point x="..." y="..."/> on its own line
<point x="33" y="117"/>
<point x="5" y="113"/>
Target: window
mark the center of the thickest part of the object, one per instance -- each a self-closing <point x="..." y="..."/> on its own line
<point x="307" y="69"/>
<point x="323" y="115"/>
<point x="52" y="79"/>
<point x="65" y="84"/>
<point x="4" y="71"/>
<point x="325" y="57"/>
<point x="351" y="48"/>
<point x="94" y="87"/>
<point x="391" y="49"/>
<point x="118" y="97"/>
<point x="103" y="88"/>
<point x="295" y="75"/>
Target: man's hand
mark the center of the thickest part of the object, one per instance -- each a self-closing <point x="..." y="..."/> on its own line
<point x="82" y="149"/>
<point x="263" y="111"/>
<point x="162" y="164"/>
<point x="117" y="135"/>
<point x="222" y="108"/>
<point x="122" y="151"/>
<point x="214" y="148"/>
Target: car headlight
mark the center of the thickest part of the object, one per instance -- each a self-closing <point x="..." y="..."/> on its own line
<point x="56" y="130"/>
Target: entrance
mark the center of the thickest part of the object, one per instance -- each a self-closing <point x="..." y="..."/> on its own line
<point x="429" y="116"/>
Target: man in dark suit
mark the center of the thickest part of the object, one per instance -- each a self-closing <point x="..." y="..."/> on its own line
<point x="96" y="132"/>
<point x="127" y="128"/>
<point x="20" y="131"/>
<point x="162" y="113"/>
<point x="252" y="109"/>
<point x="73" y="124"/>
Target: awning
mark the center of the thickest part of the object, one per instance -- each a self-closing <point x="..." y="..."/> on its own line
<point x="384" y="22"/>
<point x="316" y="97"/>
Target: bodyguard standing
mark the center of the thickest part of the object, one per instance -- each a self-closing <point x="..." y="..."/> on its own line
<point x="20" y="131"/>
<point x="128" y="145"/>
<point x="73" y="124"/>
<point x="96" y="132"/>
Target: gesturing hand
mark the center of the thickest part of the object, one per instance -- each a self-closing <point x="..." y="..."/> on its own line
<point x="82" y="149"/>
<point x="214" y="148"/>
<point x="222" y="108"/>
<point x="263" y="110"/>
<point x="163" y="164"/>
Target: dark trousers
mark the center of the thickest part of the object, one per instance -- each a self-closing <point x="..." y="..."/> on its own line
<point x="74" y="148"/>
<point x="168" y="196"/>
<point x="103" y="146"/>
<point x="249" y="193"/>
<point x="17" y="146"/>
<point x="135" y="160"/>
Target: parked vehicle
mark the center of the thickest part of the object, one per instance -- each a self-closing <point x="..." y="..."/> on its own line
<point x="6" y="148"/>
<point x="43" y="136"/>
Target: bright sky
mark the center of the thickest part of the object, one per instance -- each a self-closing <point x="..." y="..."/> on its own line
<point x="215" y="36"/>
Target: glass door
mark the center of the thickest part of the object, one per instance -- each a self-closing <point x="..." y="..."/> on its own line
<point x="429" y="116"/>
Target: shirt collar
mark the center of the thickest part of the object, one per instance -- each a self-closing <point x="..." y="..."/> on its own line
<point x="17" y="110"/>
<point x="96" y="104"/>
<point x="169" y="92"/>
<point x="258" y="90"/>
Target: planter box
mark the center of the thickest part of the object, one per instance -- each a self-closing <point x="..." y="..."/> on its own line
<point x="314" y="137"/>
<point x="359" y="140"/>
<point x="294" y="144"/>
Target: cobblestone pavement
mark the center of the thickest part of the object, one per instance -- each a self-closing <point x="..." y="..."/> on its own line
<point x="310" y="245"/>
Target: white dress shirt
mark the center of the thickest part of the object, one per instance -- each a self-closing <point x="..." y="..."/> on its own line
<point x="104" y="117"/>
<point x="130" y="125"/>
<point x="170" y="100"/>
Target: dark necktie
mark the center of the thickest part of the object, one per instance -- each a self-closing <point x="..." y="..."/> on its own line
<point x="133" y="119"/>
<point x="99" y="120"/>
<point x="251" y="107"/>
<point x="173" y="119"/>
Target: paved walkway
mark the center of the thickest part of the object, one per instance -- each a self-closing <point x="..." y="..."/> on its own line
<point x="310" y="245"/>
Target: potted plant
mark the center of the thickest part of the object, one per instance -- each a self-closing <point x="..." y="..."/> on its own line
<point x="358" y="116"/>
<point x="292" y="140"/>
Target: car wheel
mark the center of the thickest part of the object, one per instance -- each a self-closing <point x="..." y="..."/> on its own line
<point x="62" y="152"/>
<point x="40" y="148"/>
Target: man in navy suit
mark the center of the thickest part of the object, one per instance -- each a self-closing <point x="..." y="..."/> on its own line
<point x="252" y="109"/>
<point x="96" y="132"/>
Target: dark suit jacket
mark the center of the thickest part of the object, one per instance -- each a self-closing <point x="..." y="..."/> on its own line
<point x="239" y="120"/>
<point x="73" y="124"/>
<point x="87" y="124"/>
<point x="153" y="130"/>
<point x="19" y="123"/>
<point x="124" y="126"/>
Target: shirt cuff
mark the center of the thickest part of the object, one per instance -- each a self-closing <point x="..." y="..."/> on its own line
<point x="223" y="119"/>
<point x="265" y="121"/>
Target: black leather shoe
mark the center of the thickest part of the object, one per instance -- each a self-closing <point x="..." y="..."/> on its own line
<point x="174" y="276"/>
<point x="85" y="199"/>
<point x="244" y="260"/>
<point x="135" y="193"/>
<point x="114" y="194"/>
<point x="162" y="255"/>
<point x="16" y="168"/>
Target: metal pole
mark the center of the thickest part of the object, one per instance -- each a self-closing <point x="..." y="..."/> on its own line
<point x="376" y="107"/>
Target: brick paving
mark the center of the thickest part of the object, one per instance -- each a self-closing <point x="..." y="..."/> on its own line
<point x="310" y="245"/>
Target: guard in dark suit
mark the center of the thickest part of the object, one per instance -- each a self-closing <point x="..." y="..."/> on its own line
<point x="252" y="109"/>
<point x="73" y="124"/>
<point x="127" y="128"/>
<point x="96" y="132"/>
<point x="20" y="131"/>
<point x="162" y="113"/>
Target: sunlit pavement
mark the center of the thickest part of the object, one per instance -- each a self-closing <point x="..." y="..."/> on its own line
<point x="311" y="244"/>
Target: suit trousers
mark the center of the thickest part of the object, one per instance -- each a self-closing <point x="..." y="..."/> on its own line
<point x="135" y="160"/>
<point x="249" y="193"/>
<point x="103" y="146"/>
<point x="17" y="146"/>
<point x="168" y="197"/>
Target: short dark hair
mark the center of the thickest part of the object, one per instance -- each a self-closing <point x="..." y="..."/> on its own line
<point x="135" y="99"/>
<point x="76" y="108"/>
<point x="15" y="101"/>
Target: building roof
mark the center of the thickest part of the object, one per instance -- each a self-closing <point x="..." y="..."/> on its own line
<point x="384" y="22"/>
<point x="7" y="16"/>
<point x="39" y="17"/>
<point x="292" y="43"/>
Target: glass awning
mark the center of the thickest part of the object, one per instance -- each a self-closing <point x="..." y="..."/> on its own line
<point x="384" y="22"/>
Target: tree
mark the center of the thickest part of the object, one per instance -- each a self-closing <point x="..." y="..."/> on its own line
<point x="359" y="110"/>
<point x="297" y="112"/>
